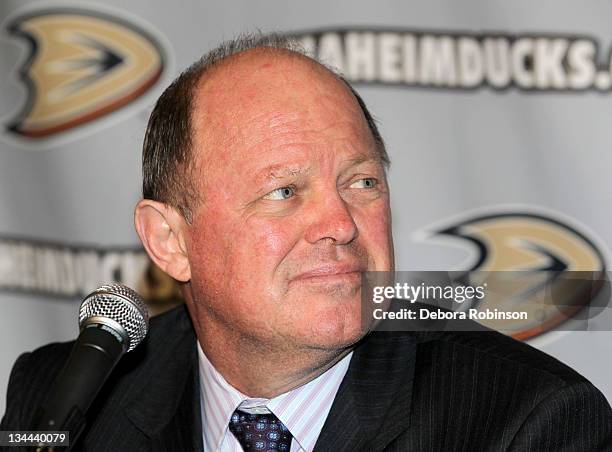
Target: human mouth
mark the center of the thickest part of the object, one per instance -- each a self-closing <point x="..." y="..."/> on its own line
<point x="331" y="274"/>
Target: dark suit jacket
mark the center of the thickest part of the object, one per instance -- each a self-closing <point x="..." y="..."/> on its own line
<point x="461" y="391"/>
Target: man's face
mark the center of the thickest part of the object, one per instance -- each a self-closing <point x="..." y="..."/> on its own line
<point x="295" y="205"/>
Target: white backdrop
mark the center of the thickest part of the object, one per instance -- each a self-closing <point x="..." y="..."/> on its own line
<point x="487" y="107"/>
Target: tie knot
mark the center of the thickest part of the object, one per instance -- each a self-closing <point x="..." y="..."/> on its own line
<point x="257" y="432"/>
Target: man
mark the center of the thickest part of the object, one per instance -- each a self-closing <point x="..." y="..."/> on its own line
<point x="265" y="195"/>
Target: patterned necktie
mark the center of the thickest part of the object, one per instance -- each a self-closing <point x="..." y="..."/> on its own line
<point x="260" y="432"/>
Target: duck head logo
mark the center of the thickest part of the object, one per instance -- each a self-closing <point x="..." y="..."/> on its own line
<point x="531" y="262"/>
<point x="83" y="65"/>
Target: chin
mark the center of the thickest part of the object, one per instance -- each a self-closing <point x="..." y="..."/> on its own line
<point x="326" y="319"/>
<point x="335" y="332"/>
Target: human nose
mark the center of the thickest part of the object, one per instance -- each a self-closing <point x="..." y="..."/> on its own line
<point x="331" y="219"/>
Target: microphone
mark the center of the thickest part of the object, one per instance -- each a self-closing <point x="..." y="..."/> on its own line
<point x="113" y="320"/>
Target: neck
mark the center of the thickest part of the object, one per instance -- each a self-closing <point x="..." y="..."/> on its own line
<point x="253" y="368"/>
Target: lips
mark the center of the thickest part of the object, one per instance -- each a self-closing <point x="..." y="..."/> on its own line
<point x="332" y="272"/>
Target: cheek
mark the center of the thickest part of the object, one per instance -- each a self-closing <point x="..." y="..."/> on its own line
<point x="272" y="238"/>
<point x="375" y="234"/>
<point x="247" y="253"/>
<point x="206" y="250"/>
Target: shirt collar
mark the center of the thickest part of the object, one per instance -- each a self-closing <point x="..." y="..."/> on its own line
<point x="303" y="410"/>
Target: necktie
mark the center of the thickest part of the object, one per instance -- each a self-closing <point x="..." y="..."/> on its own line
<point x="260" y="432"/>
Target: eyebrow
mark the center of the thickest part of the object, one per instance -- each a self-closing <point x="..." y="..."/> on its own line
<point x="283" y="171"/>
<point x="361" y="158"/>
<point x="280" y="171"/>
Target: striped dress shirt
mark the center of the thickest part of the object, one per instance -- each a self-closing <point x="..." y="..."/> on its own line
<point x="303" y="410"/>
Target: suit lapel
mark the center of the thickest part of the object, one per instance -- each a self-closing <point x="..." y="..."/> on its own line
<point x="184" y="431"/>
<point x="372" y="406"/>
<point x="167" y="407"/>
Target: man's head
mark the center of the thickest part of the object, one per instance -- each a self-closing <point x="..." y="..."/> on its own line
<point x="265" y="192"/>
<point x="167" y="148"/>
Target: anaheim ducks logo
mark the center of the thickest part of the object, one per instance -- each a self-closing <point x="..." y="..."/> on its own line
<point x="82" y="65"/>
<point x="531" y="263"/>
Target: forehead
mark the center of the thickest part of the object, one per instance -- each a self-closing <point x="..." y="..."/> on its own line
<point x="266" y="95"/>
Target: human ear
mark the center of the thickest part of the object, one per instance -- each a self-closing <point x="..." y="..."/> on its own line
<point x="161" y="229"/>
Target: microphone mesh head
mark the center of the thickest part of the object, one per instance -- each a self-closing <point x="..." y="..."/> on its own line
<point x="121" y="304"/>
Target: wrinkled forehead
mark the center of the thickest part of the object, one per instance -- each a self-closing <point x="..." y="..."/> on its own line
<point x="256" y="91"/>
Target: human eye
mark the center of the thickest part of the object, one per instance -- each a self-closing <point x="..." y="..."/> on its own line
<point x="367" y="182"/>
<point x="280" y="194"/>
